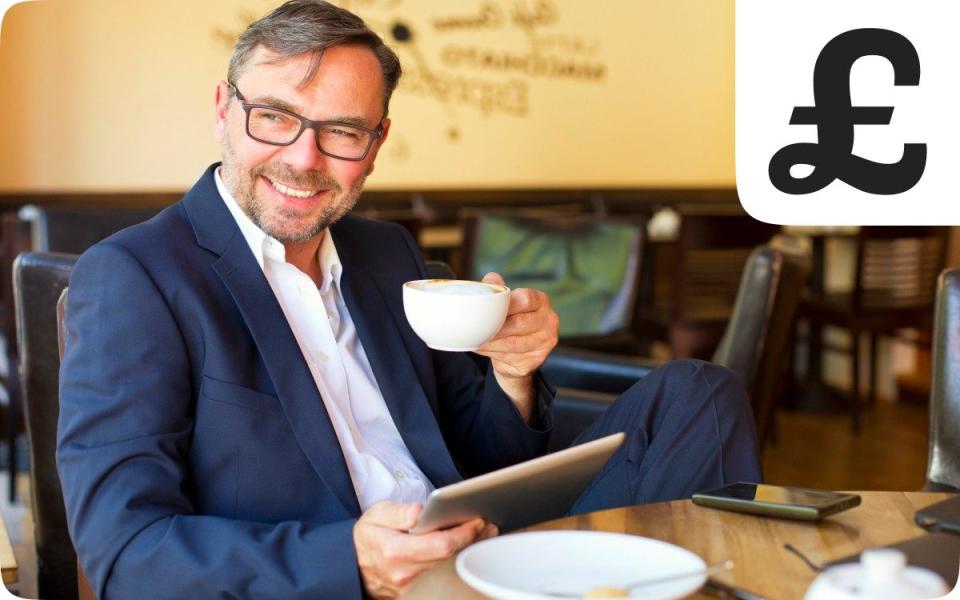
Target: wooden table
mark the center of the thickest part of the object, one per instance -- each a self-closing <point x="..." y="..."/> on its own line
<point x="762" y="565"/>
<point x="8" y="563"/>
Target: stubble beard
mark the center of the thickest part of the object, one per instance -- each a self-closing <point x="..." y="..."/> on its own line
<point x="283" y="224"/>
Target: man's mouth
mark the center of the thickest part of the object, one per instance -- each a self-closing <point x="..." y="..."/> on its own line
<point x="293" y="192"/>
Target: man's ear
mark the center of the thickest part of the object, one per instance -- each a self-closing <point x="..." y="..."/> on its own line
<point x="376" y="146"/>
<point x="221" y="103"/>
<point x="386" y="130"/>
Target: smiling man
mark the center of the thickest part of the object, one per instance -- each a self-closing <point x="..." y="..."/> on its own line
<point x="245" y="411"/>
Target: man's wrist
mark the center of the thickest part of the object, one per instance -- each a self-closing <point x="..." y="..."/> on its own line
<point x="521" y="391"/>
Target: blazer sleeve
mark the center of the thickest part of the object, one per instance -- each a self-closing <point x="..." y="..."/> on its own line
<point x="482" y="428"/>
<point x="125" y="428"/>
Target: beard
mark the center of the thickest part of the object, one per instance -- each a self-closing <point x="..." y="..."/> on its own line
<point x="286" y="224"/>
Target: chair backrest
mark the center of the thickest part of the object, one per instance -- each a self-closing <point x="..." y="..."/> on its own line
<point x="711" y="253"/>
<point x="39" y="279"/>
<point x="74" y="228"/>
<point x="753" y="346"/>
<point x="437" y="269"/>
<point x="84" y="589"/>
<point x="897" y="267"/>
<point x="943" y="463"/>
<point x="589" y="266"/>
<point x="758" y="332"/>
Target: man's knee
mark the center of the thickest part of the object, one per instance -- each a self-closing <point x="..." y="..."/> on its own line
<point x="692" y="379"/>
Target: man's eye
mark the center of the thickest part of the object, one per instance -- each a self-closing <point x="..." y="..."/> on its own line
<point x="338" y="131"/>
<point x="269" y="117"/>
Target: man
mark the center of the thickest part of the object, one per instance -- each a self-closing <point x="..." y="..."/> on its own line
<point x="245" y="412"/>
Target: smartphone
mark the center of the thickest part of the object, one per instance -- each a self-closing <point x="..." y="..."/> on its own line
<point x="777" y="501"/>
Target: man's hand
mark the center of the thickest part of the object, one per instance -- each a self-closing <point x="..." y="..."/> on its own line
<point x="390" y="558"/>
<point x="528" y="335"/>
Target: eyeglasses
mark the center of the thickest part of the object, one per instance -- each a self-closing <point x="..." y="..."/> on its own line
<point x="279" y="127"/>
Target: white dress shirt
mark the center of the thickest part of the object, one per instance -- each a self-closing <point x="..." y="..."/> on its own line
<point x="379" y="462"/>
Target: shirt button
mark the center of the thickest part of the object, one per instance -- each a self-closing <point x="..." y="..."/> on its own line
<point x="400" y="474"/>
<point x="321" y="357"/>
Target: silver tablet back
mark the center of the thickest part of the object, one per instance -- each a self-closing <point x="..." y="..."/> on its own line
<point x="530" y="492"/>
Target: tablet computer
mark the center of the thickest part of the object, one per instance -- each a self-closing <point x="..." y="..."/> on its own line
<point x="530" y="492"/>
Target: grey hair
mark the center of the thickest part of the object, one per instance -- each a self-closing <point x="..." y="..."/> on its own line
<point x="309" y="27"/>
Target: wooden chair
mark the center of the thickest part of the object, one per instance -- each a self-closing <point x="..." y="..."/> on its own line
<point x="894" y="288"/>
<point x="694" y="283"/>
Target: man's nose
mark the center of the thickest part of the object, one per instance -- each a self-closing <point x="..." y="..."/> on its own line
<point x="303" y="153"/>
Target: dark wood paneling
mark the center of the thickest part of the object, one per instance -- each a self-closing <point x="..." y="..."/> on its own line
<point x="442" y="203"/>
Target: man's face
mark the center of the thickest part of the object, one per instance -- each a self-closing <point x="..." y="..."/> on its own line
<point x="294" y="192"/>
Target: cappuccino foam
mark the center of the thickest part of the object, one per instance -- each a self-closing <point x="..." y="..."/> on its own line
<point x="457" y="288"/>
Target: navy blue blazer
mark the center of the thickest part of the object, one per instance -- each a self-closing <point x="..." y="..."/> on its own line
<point x="196" y="456"/>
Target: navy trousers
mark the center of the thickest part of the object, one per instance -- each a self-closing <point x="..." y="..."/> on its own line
<point x="689" y="428"/>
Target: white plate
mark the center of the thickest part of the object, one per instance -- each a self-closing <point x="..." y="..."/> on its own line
<point x="529" y="566"/>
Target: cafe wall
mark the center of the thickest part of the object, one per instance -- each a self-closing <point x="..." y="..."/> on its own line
<point x="101" y="95"/>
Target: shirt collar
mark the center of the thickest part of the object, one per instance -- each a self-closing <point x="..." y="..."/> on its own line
<point x="265" y="246"/>
<point x="256" y="238"/>
<point x="330" y="264"/>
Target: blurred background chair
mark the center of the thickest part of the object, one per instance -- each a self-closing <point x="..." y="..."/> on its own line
<point x="589" y="266"/>
<point x="50" y="228"/>
<point x="753" y="346"/>
<point x="943" y="463"/>
<point x="894" y="287"/>
<point x="691" y="284"/>
<point x="39" y="280"/>
<point x="73" y="229"/>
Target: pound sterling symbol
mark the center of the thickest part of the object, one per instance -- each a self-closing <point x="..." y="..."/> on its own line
<point x="832" y="156"/>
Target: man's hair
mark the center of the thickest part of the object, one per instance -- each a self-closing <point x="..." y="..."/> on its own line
<point x="309" y="27"/>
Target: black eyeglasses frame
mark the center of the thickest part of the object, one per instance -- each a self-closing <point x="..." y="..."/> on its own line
<point x="305" y="123"/>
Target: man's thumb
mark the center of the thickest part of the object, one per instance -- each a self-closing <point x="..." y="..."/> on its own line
<point x="494" y="278"/>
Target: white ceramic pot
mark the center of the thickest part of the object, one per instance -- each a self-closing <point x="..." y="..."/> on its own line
<point x="881" y="574"/>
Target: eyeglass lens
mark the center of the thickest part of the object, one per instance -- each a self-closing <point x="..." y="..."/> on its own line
<point x="276" y="127"/>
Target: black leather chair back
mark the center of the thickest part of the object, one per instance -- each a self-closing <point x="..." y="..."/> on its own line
<point x="753" y="344"/>
<point x="943" y="464"/>
<point x="437" y="269"/>
<point x="73" y="229"/>
<point x="39" y="279"/>
<point x="757" y="335"/>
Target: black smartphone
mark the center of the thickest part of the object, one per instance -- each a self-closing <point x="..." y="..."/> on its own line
<point x="942" y="516"/>
<point x="777" y="501"/>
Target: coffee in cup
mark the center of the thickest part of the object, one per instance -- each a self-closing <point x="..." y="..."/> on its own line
<point x="455" y="314"/>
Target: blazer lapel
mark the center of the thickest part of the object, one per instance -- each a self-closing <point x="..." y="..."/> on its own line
<point x="392" y="364"/>
<point x="238" y="269"/>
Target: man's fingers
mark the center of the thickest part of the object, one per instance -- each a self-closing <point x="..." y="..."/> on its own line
<point x="393" y="515"/>
<point x="524" y="323"/>
<point x="438" y="545"/>
<point x="488" y="532"/>
<point x="525" y="300"/>
<point x="494" y="278"/>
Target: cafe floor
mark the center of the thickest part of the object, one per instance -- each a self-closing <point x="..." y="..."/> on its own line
<point x="812" y="450"/>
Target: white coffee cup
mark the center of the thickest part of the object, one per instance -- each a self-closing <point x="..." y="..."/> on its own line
<point x="454" y="314"/>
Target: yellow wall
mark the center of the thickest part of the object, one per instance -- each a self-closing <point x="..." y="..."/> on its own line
<point x="107" y="95"/>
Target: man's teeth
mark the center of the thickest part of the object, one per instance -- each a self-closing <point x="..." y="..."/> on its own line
<point x="289" y="191"/>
